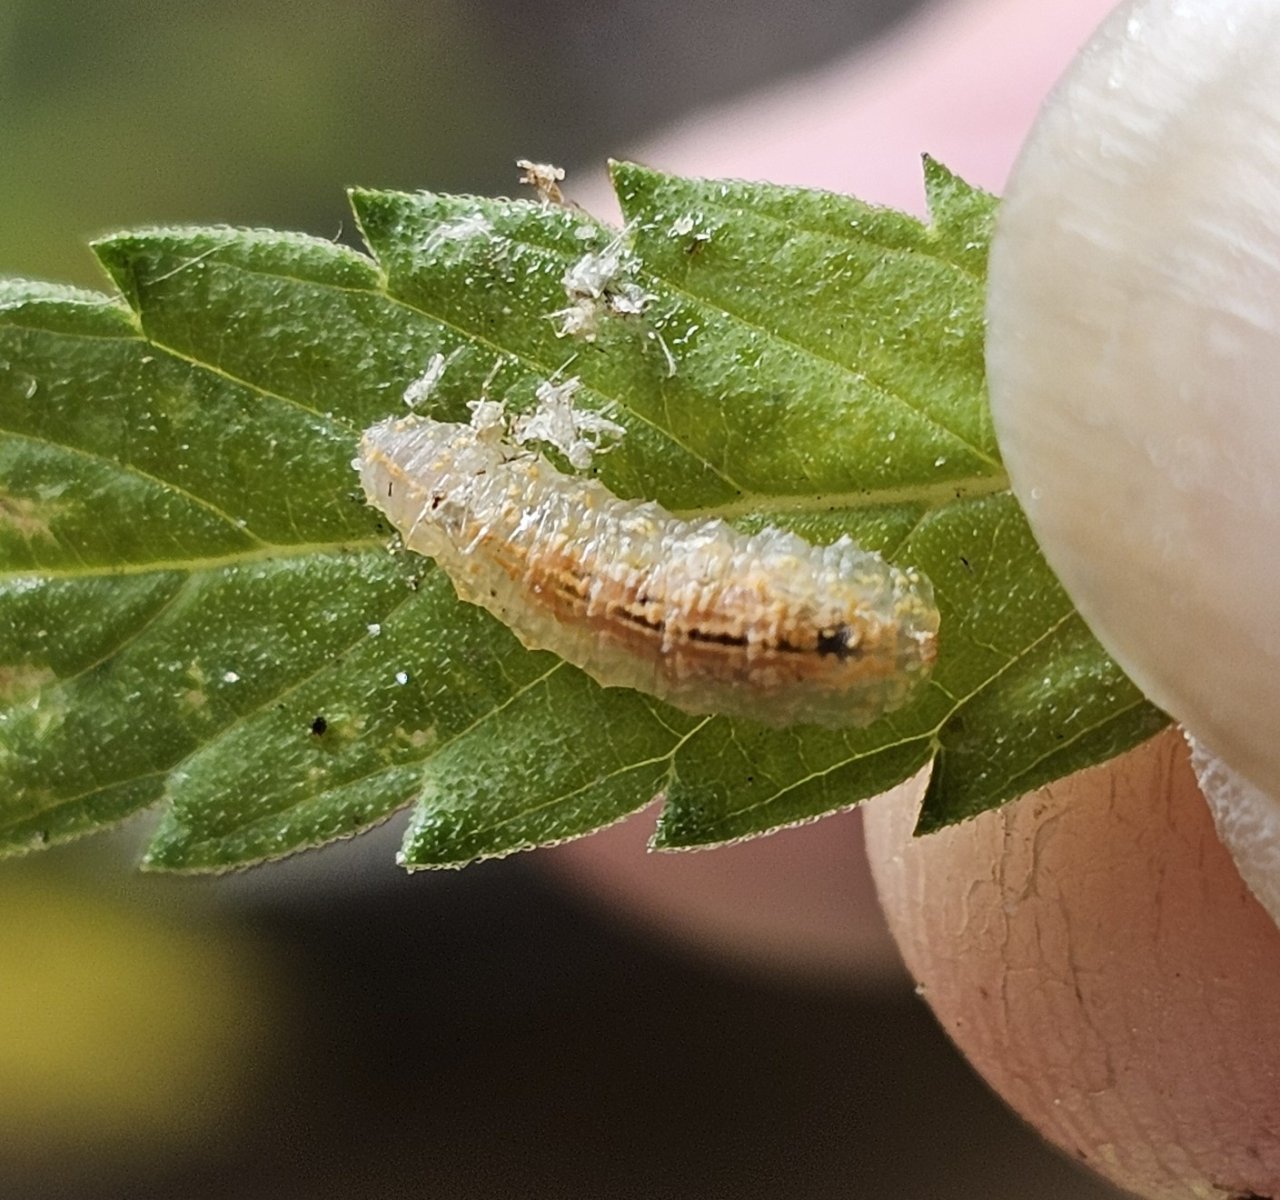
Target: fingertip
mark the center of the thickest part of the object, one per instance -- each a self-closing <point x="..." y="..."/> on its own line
<point x="1093" y="952"/>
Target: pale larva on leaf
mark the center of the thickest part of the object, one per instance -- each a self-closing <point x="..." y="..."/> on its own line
<point x="711" y="620"/>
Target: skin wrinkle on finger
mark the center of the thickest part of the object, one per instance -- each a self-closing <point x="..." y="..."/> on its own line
<point x="1120" y="991"/>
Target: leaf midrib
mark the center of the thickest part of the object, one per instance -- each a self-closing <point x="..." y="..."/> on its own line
<point x="930" y="497"/>
<point x="266" y="553"/>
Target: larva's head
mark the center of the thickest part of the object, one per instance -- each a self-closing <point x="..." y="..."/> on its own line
<point x="890" y="609"/>
<point x="857" y="633"/>
<point x="883" y="615"/>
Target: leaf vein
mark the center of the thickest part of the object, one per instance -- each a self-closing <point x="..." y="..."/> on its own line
<point x="267" y="552"/>
<point x="928" y="231"/>
<point x="918" y="409"/>
<point x="129" y="468"/>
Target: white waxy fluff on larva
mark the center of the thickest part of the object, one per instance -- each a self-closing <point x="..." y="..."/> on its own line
<point x="763" y="625"/>
<point x="1134" y="362"/>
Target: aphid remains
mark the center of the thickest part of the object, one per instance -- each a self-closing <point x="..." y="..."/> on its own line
<point x="763" y="625"/>
<point x="599" y="285"/>
<point x="544" y="178"/>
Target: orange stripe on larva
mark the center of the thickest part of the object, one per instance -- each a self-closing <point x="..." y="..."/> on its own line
<point x="762" y="625"/>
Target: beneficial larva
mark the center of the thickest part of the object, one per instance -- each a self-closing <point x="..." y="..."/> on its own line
<point x="762" y="625"/>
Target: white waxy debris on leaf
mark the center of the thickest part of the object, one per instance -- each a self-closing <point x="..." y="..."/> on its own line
<point x="655" y="336"/>
<point x="580" y="320"/>
<point x="592" y="274"/>
<point x="423" y="388"/>
<point x="578" y="433"/>
<point x="598" y="285"/>
<point x="488" y="416"/>
<point x="629" y="299"/>
<point x="459" y="230"/>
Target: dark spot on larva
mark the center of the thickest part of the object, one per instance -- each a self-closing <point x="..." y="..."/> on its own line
<point x="841" y="640"/>
<point x="718" y="639"/>
<point x="641" y="621"/>
<point x="436" y="500"/>
<point x="318" y="726"/>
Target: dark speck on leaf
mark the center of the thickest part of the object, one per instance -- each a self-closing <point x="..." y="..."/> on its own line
<point x="318" y="726"/>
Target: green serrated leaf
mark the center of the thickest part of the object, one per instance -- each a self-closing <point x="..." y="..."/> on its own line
<point x="197" y="606"/>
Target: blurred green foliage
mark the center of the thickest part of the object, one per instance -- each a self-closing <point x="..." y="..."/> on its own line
<point x="246" y="111"/>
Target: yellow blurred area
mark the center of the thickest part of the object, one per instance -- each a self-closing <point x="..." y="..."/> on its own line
<point x="123" y="1030"/>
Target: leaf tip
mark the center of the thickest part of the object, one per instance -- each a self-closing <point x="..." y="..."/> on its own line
<point x="169" y="850"/>
<point x="112" y="250"/>
<point x="934" y="814"/>
<point x="954" y="203"/>
<point x="628" y="180"/>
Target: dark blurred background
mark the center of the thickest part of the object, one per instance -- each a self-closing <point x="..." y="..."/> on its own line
<point x="335" y="1028"/>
